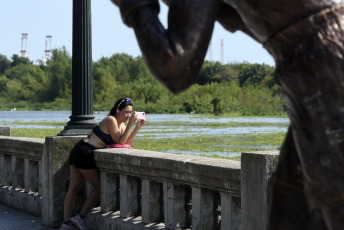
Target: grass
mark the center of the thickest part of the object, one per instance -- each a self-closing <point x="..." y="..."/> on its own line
<point x="34" y="133"/>
<point x="39" y="123"/>
<point x="224" y="143"/>
<point x="216" y="125"/>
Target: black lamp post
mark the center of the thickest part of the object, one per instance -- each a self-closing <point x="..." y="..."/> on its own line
<point x="82" y="119"/>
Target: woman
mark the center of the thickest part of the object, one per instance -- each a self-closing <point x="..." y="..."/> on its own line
<point x="82" y="164"/>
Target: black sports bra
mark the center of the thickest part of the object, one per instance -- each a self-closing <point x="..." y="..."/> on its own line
<point x="106" y="138"/>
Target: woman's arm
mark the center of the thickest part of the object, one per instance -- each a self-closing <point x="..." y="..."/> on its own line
<point x="139" y="125"/>
<point x="116" y="134"/>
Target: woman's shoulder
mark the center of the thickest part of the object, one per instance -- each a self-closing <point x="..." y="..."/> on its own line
<point x="109" y="120"/>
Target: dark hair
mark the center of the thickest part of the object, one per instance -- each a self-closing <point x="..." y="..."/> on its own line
<point x="120" y="104"/>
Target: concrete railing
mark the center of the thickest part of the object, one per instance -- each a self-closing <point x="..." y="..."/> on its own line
<point x="21" y="173"/>
<point x="177" y="190"/>
<point x="140" y="189"/>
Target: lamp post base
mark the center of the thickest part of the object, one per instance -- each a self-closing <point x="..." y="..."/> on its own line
<point x="78" y="125"/>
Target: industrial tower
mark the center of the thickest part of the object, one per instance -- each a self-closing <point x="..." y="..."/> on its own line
<point x="24" y="41"/>
<point x="48" y="48"/>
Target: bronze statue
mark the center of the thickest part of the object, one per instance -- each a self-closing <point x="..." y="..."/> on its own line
<point x="305" y="37"/>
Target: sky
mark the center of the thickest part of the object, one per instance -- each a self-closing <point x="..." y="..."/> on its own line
<point x="39" y="18"/>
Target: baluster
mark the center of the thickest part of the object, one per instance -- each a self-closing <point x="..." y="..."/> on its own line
<point x="174" y="206"/>
<point x="150" y="201"/>
<point x="2" y="170"/>
<point x="17" y="172"/>
<point x="128" y="197"/>
<point x="230" y="212"/>
<point x="31" y="176"/>
<point x="34" y="176"/>
<point x="40" y="178"/>
<point x="7" y="170"/>
<point x="109" y="189"/>
<point x="202" y="209"/>
<point x="27" y="181"/>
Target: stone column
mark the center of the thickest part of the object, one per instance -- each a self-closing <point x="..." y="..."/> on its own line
<point x="17" y="172"/>
<point x="230" y="212"/>
<point x="2" y="170"/>
<point x="82" y="119"/>
<point x="129" y="191"/>
<point x="31" y="174"/>
<point x="257" y="171"/>
<point x="174" y="205"/>
<point x="7" y="170"/>
<point x="109" y="192"/>
<point x="150" y="201"/>
<point x="55" y="179"/>
<point x="27" y="184"/>
<point x="202" y="209"/>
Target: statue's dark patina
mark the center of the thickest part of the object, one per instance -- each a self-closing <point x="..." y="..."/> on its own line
<point x="306" y="39"/>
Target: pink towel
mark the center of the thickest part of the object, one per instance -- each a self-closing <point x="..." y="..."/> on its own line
<point x="119" y="146"/>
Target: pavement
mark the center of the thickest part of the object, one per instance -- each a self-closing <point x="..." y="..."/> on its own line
<point x="12" y="219"/>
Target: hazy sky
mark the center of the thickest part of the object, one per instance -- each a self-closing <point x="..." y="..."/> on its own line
<point x="39" y="18"/>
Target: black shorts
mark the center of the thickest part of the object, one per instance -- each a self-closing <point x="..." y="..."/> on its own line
<point x="82" y="156"/>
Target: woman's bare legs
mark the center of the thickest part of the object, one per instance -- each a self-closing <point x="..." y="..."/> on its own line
<point x="77" y="177"/>
<point x="76" y="180"/>
<point x="92" y="176"/>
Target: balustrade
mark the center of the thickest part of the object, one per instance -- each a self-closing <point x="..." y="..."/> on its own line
<point x="20" y="172"/>
<point x="140" y="189"/>
<point x="175" y="191"/>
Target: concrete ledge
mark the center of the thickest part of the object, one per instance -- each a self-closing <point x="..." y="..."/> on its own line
<point x="18" y="199"/>
<point x="31" y="148"/>
<point x="5" y="131"/>
<point x="215" y="174"/>
<point x="113" y="220"/>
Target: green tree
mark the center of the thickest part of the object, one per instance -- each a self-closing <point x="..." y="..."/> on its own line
<point x="3" y="85"/>
<point x="211" y="72"/>
<point x="104" y="82"/>
<point x="217" y="106"/>
<point x="254" y="74"/>
<point x="26" y="82"/>
<point x="16" y="60"/>
<point x="5" y="63"/>
<point x="59" y="70"/>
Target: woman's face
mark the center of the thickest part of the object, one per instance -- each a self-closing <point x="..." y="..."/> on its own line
<point x="125" y="113"/>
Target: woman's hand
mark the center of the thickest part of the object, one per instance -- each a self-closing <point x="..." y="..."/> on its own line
<point x="132" y="119"/>
<point x="141" y="123"/>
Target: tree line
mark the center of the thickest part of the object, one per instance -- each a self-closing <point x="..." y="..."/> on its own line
<point x="239" y="88"/>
